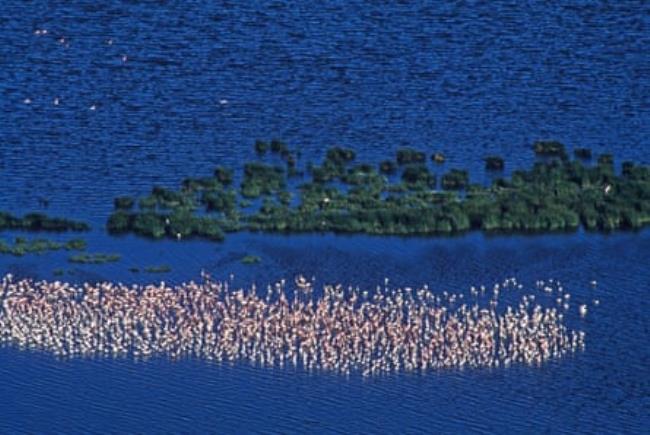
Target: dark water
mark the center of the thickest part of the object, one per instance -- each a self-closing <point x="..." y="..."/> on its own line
<point x="202" y="81"/>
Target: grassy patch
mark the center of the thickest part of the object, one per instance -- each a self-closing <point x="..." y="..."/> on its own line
<point x="23" y="246"/>
<point x="158" y="269"/>
<point x="251" y="259"/>
<point x="97" y="258"/>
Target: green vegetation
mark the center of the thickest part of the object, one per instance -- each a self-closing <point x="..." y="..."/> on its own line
<point x="23" y="246"/>
<point x="340" y="156"/>
<point x="387" y="167"/>
<point x="158" y="269"/>
<point x="223" y="175"/>
<point x="343" y="196"/>
<point x="39" y="222"/>
<point x="261" y="147"/>
<point x="406" y="156"/>
<point x="455" y="179"/>
<point x="58" y="272"/>
<point x="261" y="179"/>
<point x="75" y="245"/>
<point x="550" y="148"/>
<point x="98" y="258"/>
<point x="251" y="259"/>
<point x="418" y="176"/>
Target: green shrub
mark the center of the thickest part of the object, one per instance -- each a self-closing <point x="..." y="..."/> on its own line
<point x="605" y="159"/>
<point x="409" y="155"/>
<point x="119" y="222"/>
<point x="223" y="175"/>
<point x="419" y="175"/>
<point x="262" y="179"/>
<point x="387" y="167"/>
<point x="550" y="148"/>
<point x="149" y="224"/>
<point x="261" y="147"/>
<point x="455" y="179"/>
<point x="340" y="156"/>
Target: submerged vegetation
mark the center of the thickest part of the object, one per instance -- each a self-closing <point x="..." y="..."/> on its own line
<point x="98" y="258"/>
<point x="158" y="269"/>
<point x="39" y="222"/>
<point x="251" y="259"/>
<point x="401" y="196"/>
<point x="24" y="246"/>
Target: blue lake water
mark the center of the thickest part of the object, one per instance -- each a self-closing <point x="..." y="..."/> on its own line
<point x="201" y="82"/>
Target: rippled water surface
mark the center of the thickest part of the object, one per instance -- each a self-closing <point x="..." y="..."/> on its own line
<point x="179" y="87"/>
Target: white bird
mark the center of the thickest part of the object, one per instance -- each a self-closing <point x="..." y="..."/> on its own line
<point x="124" y="58"/>
<point x="223" y="101"/>
<point x="302" y="282"/>
<point x="27" y="101"/>
<point x="93" y="107"/>
<point x="608" y="188"/>
<point x="583" y="310"/>
<point x="594" y="283"/>
<point x="56" y="101"/>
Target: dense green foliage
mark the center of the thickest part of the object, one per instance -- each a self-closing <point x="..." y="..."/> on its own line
<point x="261" y="179"/>
<point x="455" y="179"/>
<point x="550" y="148"/>
<point x="387" y="167"/>
<point x="556" y="194"/>
<point x="419" y="176"/>
<point x="409" y="155"/>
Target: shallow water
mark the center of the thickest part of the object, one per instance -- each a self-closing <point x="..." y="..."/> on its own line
<point x="468" y="80"/>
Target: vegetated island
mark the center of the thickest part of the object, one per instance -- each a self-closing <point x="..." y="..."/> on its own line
<point x="24" y="246"/>
<point x="39" y="222"/>
<point x="396" y="197"/>
<point x="96" y="258"/>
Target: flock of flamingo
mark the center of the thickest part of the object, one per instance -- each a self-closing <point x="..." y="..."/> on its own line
<point x="339" y="329"/>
